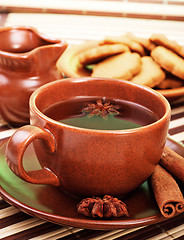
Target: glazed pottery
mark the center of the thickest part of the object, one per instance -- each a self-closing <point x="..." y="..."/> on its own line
<point x="84" y="161"/>
<point x="51" y="204"/>
<point x="27" y="61"/>
<point x="70" y="66"/>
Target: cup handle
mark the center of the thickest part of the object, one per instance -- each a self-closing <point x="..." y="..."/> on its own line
<point x="16" y="147"/>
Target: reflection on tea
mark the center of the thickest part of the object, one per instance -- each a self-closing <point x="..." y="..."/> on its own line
<point x="100" y="114"/>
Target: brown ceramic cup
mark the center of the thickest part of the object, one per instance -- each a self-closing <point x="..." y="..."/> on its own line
<point x="86" y="161"/>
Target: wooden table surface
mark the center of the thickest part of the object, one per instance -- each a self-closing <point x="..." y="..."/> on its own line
<point x="76" y="29"/>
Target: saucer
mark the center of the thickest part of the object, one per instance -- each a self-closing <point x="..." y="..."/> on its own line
<point x="54" y="205"/>
<point x="69" y="65"/>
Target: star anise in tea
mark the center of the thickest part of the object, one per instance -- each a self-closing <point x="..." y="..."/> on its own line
<point x="106" y="207"/>
<point x="101" y="109"/>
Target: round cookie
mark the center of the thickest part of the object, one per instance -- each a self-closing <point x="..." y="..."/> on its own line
<point x="151" y="73"/>
<point x="162" y="40"/>
<point x="169" y="61"/>
<point x="133" y="45"/>
<point x="146" y="43"/>
<point x="122" y="66"/>
<point x="170" y="82"/>
<point x="100" y="52"/>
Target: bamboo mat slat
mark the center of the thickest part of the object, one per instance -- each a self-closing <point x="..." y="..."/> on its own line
<point x="140" y="9"/>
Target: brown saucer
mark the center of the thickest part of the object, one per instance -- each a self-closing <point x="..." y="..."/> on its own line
<point x="53" y="205"/>
<point x="69" y="65"/>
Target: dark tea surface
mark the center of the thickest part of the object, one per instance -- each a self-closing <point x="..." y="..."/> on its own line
<point x="127" y="116"/>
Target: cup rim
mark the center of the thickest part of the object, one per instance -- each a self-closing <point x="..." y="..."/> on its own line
<point x="35" y="109"/>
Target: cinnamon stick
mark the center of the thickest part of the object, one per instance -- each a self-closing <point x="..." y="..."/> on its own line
<point x="167" y="192"/>
<point x="173" y="162"/>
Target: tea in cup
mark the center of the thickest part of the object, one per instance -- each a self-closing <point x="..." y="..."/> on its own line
<point x="92" y="136"/>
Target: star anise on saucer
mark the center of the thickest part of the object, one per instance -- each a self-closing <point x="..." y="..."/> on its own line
<point x="106" y="207"/>
<point x="101" y="109"/>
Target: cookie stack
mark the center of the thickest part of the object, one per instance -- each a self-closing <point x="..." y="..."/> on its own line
<point x="155" y="62"/>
